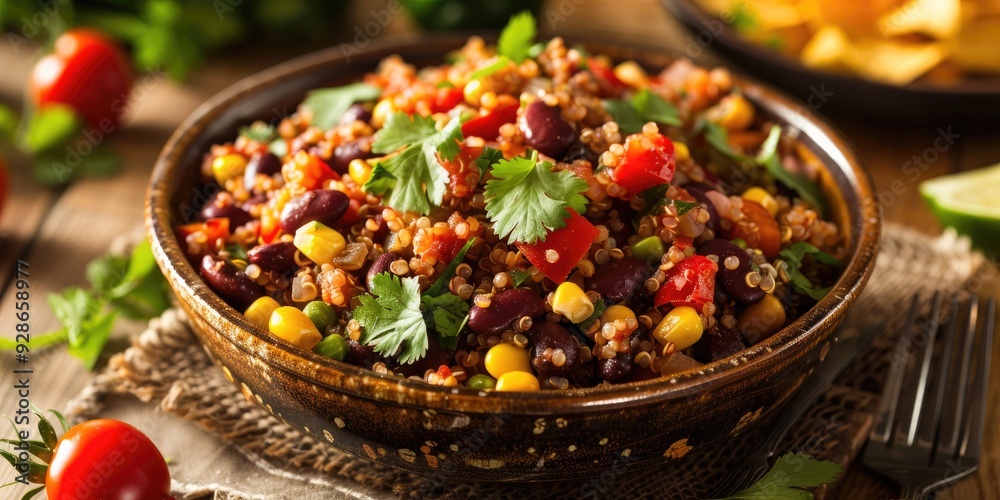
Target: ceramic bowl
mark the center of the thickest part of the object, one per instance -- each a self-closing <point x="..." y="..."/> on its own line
<point x="464" y="433"/>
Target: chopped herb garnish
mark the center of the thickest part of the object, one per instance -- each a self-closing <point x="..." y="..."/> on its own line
<point x="447" y="313"/>
<point x="519" y="275"/>
<point x="328" y="105"/>
<point x="259" y="132"/>
<point x="441" y="285"/>
<point x="599" y="308"/>
<point x="791" y="475"/>
<point x="488" y="157"/>
<point x="517" y="37"/>
<point x="794" y="256"/>
<point x="391" y="318"/>
<point x="684" y="207"/>
<point x="491" y="68"/>
<point x="645" y="106"/>
<point x="414" y="176"/>
<point x="526" y="198"/>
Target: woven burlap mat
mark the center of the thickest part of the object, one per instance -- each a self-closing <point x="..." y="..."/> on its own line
<point x="166" y="367"/>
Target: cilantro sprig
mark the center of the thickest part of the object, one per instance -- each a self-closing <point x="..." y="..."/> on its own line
<point x="526" y="198"/>
<point x="414" y="178"/>
<point x="329" y="104"/>
<point x="130" y="286"/>
<point x="791" y="475"/>
<point x="644" y="106"/>
<point x="517" y="37"/>
<point x="794" y="257"/>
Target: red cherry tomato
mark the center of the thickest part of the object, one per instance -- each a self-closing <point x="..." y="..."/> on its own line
<point x="488" y="126"/>
<point x="88" y="72"/>
<point x="759" y="229"/>
<point x="103" y="459"/>
<point x="649" y="161"/>
<point x="571" y="242"/>
<point x="691" y="282"/>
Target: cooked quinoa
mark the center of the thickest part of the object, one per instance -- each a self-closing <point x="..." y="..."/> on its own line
<point x="519" y="222"/>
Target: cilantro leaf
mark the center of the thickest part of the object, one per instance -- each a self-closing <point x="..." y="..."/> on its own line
<point x="526" y="199"/>
<point x="329" y="104"/>
<point x="414" y="176"/>
<point x="391" y="318"/>
<point x="491" y="68"/>
<point x="447" y="315"/>
<point x="488" y="157"/>
<point x="519" y="275"/>
<point x="599" y="308"/>
<point x="517" y="37"/>
<point x="98" y="330"/>
<point x="74" y="307"/>
<point x="684" y="207"/>
<point x="794" y="256"/>
<point x="644" y="106"/>
<point x="789" y="477"/>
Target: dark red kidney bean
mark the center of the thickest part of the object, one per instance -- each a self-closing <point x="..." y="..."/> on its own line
<point x="620" y="279"/>
<point x="505" y="308"/>
<point x="616" y="369"/>
<point x="713" y="219"/>
<point x="363" y="355"/>
<point x="324" y="205"/>
<point x="233" y="285"/>
<point x="718" y="342"/>
<point x="273" y="256"/>
<point x="544" y="336"/>
<point x="345" y="153"/>
<point x="734" y="281"/>
<point x="221" y="205"/>
<point x="545" y="130"/>
<point x="380" y="266"/>
<point x="260" y="163"/>
<point x="357" y="112"/>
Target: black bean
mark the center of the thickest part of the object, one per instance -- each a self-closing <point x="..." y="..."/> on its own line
<point x="713" y="220"/>
<point x="545" y="336"/>
<point x="260" y="163"/>
<point x="718" y="342"/>
<point x="545" y="130"/>
<point x="357" y="112"/>
<point x="233" y="285"/>
<point x="432" y="360"/>
<point x="505" y="308"/>
<point x="273" y="256"/>
<point x="734" y="281"/>
<point x="380" y="266"/>
<point x="324" y="205"/>
<point x="348" y="151"/>
<point x="616" y="369"/>
<point x="580" y="151"/>
<point x="618" y="280"/>
<point x="221" y="205"/>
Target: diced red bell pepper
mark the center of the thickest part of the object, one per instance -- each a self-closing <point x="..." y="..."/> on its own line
<point x="446" y="98"/>
<point x="649" y="161"/>
<point x="610" y="85"/>
<point x="691" y="282"/>
<point x="767" y="235"/>
<point x="570" y="242"/>
<point x="308" y="171"/>
<point x="488" y="126"/>
<point x="214" y="230"/>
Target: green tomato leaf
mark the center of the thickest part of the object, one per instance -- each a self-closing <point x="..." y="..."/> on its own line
<point x="96" y="334"/>
<point x="328" y="105"/>
<point x="50" y="127"/>
<point x="74" y="307"/>
<point x="106" y="273"/>
<point x="8" y="123"/>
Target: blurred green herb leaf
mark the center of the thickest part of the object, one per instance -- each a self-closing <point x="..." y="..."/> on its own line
<point x="517" y="37"/>
<point x="788" y="479"/>
<point x="328" y="105"/>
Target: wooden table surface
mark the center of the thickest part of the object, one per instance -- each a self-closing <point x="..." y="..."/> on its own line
<point x="59" y="231"/>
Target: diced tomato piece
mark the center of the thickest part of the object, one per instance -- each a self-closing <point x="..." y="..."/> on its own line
<point x="610" y="85"/>
<point x="570" y="243"/>
<point x="214" y="230"/>
<point x="351" y="215"/>
<point x="459" y="169"/>
<point x="307" y="171"/>
<point x="488" y="126"/>
<point x="446" y="98"/>
<point x="691" y="282"/>
<point x="649" y="161"/>
<point x="760" y="230"/>
<point x="683" y="242"/>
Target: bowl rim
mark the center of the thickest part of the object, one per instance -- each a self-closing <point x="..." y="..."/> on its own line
<point x="359" y="381"/>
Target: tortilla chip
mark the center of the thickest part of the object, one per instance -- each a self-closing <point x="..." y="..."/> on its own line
<point x="976" y="47"/>
<point x="895" y="63"/>
<point x="858" y="18"/>
<point x="829" y="49"/>
<point x="941" y="19"/>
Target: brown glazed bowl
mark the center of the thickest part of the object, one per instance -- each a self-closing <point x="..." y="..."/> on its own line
<point x="464" y="433"/>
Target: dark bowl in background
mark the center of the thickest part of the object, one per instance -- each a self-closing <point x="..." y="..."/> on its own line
<point x="975" y="99"/>
<point x="462" y="433"/>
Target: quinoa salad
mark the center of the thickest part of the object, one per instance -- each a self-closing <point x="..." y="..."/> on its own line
<point x="526" y="216"/>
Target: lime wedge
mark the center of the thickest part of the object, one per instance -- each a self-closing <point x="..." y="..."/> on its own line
<point x="970" y="203"/>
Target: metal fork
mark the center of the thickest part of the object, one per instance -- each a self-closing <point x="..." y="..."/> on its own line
<point x="933" y="407"/>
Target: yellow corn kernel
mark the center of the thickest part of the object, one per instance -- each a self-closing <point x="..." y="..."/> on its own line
<point x="631" y="74"/>
<point x="681" y="151"/>
<point x="259" y="313"/>
<point x="759" y="195"/>
<point x="682" y="326"/>
<point x="506" y="357"/>
<point x="293" y="325"/>
<point x="230" y="166"/>
<point x="762" y="319"/>
<point x="473" y="92"/>
<point x="359" y="170"/>
<point x="320" y="243"/>
<point x="381" y="112"/>
<point x="518" y="381"/>
<point x="733" y="112"/>
<point x="615" y="313"/>
<point x="570" y="301"/>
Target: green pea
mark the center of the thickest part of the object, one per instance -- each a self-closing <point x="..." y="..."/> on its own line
<point x="740" y="243"/>
<point x="648" y="249"/>
<point x="481" y="381"/>
<point x="334" y="347"/>
<point x="321" y="314"/>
